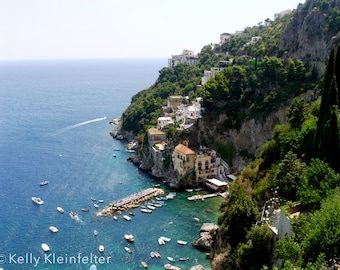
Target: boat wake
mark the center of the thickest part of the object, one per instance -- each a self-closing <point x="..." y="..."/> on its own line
<point x="81" y="124"/>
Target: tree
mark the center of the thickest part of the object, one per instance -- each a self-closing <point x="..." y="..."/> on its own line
<point x="296" y="113"/>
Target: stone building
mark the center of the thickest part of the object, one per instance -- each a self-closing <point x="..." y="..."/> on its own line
<point x="183" y="159"/>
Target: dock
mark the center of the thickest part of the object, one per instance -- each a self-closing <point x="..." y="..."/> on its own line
<point x="131" y="201"/>
<point x="202" y="197"/>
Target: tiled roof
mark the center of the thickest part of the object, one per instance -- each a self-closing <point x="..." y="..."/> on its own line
<point x="155" y="131"/>
<point x="184" y="150"/>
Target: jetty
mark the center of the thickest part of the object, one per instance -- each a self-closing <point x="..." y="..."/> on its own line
<point x="202" y="197"/>
<point x="131" y="201"/>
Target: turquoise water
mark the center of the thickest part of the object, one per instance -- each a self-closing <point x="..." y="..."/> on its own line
<point x="54" y="125"/>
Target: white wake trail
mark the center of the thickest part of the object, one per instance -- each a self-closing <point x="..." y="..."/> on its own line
<point x="81" y="124"/>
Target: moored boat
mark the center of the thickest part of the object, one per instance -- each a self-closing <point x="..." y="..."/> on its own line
<point x="45" y="247"/>
<point x="129" y="237"/>
<point x="53" y="229"/>
<point x="171" y="259"/>
<point x="37" y="200"/>
<point x="144" y="264"/>
<point x="101" y="248"/>
<point x="144" y="210"/>
<point x="100" y="201"/>
<point x="85" y="209"/>
<point x="157" y="255"/>
<point x="115" y="218"/>
<point x="126" y="217"/>
<point x="161" y="241"/>
<point x="184" y="259"/>
<point x="95" y="232"/>
<point x="128" y="250"/>
<point x="181" y="242"/>
<point x="96" y="205"/>
<point x="60" y="210"/>
<point x="166" y="239"/>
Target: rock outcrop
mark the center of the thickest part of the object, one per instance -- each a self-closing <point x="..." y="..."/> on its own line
<point x="204" y="242"/>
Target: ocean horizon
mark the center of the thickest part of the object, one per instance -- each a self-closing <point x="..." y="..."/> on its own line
<point x="54" y="125"/>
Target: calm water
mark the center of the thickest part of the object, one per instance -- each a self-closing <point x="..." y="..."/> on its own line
<point x="54" y="125"/>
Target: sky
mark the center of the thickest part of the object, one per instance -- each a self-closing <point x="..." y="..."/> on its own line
<point x="82" y="29"/>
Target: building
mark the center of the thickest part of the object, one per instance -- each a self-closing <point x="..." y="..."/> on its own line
<point x="224" y="37"/>
<point x="174" y="102"/>
<point x="281" y="14"/>
<point x="155" y="136"/>
<point x="208" y="74"/>
<point x="183" y="159"/>
<point x="187" y="58"/>
<point x="164" y="121"/>
<point x="216" y="185"/>
<point x="205" y="167"/>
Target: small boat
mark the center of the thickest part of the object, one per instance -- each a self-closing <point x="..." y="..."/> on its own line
<point x="156" y="185"/>
<point x="131" y="213"/>
<point x="74" y="215"/>
<point x="114" y="155"/>
<point x="37" y="200"/>
<point x="93" y="199"/>
<point x="53" y="229"/>
<point x="101" y="248"/>
<point x="144" y="210"/>
<point x="189" y="190"/>
<point x="197" y="219"/>
<point x="60" y="210"/>
<point x="129" y="237"/>
<point x="152" y="254"/>
<point x="171" y="267"/>
<point x="96" y="205"/>
<point x="181" y="242"/>
<point x="151" y="207"/>
<point x="144" y="264"/>
<point x="161" y="241"/>
<point x="43" y="183"/>
<point x="184" y="259"/>
<point x="128" y="250"/>
<point x="157" y="255"/>
<point x="171" y="259"/>
<point x="100" y="201"/>
<point x="95" y="232"/>
<point x="166" y="239"/>
<point x="126" y="217"/>
<point x="115" y="218"/>
<point x="45" y="247"/>
<point x="84" y="209"/>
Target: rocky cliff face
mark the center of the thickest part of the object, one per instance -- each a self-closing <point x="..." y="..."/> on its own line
<point x="307" y="37"/>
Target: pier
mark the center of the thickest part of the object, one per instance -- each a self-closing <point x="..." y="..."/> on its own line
<point x="131" y="201"/>
<point x="206" y="196"/>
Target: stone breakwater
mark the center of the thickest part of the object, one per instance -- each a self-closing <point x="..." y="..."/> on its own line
<point x="131" y="201"/>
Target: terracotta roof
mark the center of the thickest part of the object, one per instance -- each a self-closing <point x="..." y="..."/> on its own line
<point x="184" y="150"/>
<point x="155" y="131"/>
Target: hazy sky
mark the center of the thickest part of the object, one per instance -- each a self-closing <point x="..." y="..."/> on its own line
<point x="57" y="29"/>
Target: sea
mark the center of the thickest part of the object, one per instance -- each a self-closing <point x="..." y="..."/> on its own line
<point x="54" y="126"/>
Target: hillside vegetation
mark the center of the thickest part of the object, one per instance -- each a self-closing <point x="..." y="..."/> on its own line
<point x="298" y="165"/>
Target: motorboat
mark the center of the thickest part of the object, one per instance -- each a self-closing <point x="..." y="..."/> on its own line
<point x="60" y="210"/>
<point x="144" y="210"/>
<point x="157" y="255"/>
<point x="144" y="264"/>
<point x="93" y="199"/>
<point x="161" y="241"/>
<point x="43" y="183"/>
<point x="95" y="232"/>
<point x="37" y="200"/>
<point x="101" y="248"/>
<point x="74" y="215"/>
<point x="131" y="213"/>
<point x="166" y="239"/>
<point x="85" y="209"/>
<point x="129" y="237"/>
<point x="100" y="201"/>
<point x="45" y="247"/>
<point x="181" y="242"/>
<point x="128" y="250"/>
<point x="53" y="229"/>
<point x="115" y="218"/>
<point x="96" y="205"/>
<point x="151" y="207"/>
<point x="184" y="259"/>
<point x="126" y="217"/>
<point x="171" y="259"/>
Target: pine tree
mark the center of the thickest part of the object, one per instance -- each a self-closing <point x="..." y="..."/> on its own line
<point x="327" y="140"/>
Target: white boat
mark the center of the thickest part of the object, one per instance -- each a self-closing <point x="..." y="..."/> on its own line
<point x="151" y="207"/>
<point x="93" y="199"/>
<point x="45" y="247"/>
<point x="181" y="242"/>
<point x="53" y="229"/>
<point x="100" y="201"/>
<point x="43" y="183"/>
<point x="128" y="250"/>
<point x="115" y="218"/>
<point x="37" y="200"/>
<point x="126" y="217"/>
<point x="171" y="259"/>
<point x="166" y="239"/>
<point x="144" y="210"/>
<point x="95" y="232"/>
<point x="129" y="237"/>
<point x="96" y="205"/>
<point x="74" y="215"/>
<point x="161" y="241"/>
<point x="60" y="210"/>
<point x="101" y="248"/>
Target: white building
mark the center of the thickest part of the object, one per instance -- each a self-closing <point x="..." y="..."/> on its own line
<point x="164" y="121"/>
<point x="187" y="58"/>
